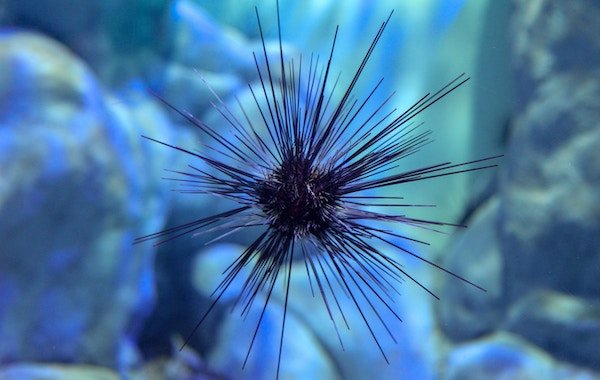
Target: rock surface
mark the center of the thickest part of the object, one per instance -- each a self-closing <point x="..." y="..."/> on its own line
<point x="303" y="357"/>
<point x="77" y="187"/>
<point x="499" y="357"/>
<point x="550" y="219"/>
<point x="35" y="371"/>
<point x="567" y="327"/>
<point x="546" y="233"/>
<point x="359" y="356"/>
<point x="464" y="311"/>
<point x="118" y="39"/>
<point x="303" y="354"/>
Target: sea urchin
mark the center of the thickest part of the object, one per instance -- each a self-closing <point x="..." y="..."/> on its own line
<point x="302" y="172"/>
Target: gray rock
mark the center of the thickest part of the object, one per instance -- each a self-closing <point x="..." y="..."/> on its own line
<point x="551" y="38"/>
<point x="464" y="311"/>
<point x="303" y="355"/>
<point x="566" y="371"/>
<point x="182" y="364"/>
<point x="209" y="57"/>
<point x="210" y="263"/>
<point x="199" y="42"/>
<point x="507" y="356"/>
<point x="567" y="327"/>
<point x="550" y="210"/>
<point x="77" y="187"/>
<point x="192" y="90"/>
<point x="501" y="356"/>
<point x="178" y="302"/>
<point x="415" y="354"/>
<point x="550" y="219"/>
<point x="548" y="215"/>
<point x="119" y="39"/>
<point x="36" y="371"/>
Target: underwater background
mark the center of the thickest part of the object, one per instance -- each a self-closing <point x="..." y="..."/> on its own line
<point x="78" y="183"/>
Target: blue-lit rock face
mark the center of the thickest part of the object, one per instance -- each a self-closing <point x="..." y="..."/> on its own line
<point x="507" y="356"/>
<point x="118" y="39"/>
<point x="550" y="218"/>
<point x="55" y="372"/>
<point x="200" y="42"/>
<point x="77" y="187"/>
<point x="304" y="357"/>
<point x="304" y="353"/>
<point x="311" y="347"/>
<point x="542" y="229"/>
<point x="466" y="312"/>
<point x="500" y="356"/>
<point x="564" y="325"/>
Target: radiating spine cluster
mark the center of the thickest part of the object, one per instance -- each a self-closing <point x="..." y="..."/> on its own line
<point x="302" y="172"/>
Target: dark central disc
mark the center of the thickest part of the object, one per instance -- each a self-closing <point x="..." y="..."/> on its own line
<point x="298" y="198"/>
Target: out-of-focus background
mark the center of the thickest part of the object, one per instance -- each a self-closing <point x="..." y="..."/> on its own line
<point x="78" y="184"/>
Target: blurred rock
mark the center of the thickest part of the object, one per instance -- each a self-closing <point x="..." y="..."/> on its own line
<point x="550" y="219"/>
<point x="549" y="212"/>
<point x="119" y="39"/>
<point x="492" y="93"/>
<point x="35" y="371"/>
<point x="208" y="57"/>
<point x="186" y="89"/>
<point x="186" y="364"/>
<point x="565" y="326"/>
<point x="183" y="364"/>
<point x="550" y="203"/>
<point x="415" y="354"/>
<point x="566" y="371"/>
<point x="41" y="15"/>
<point x="77" y="186"/>
<point x="303" y="355"/>
<point x="548" y="215"/>
<point x="209" y="265"/>
<point x="201" y="43"/>
<point x="501" y="356"/>
<point x="178" y="303"/>
<point x="506" y="356"/>
<point x="464" y="311"/>
<point x="551" y="38"/>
